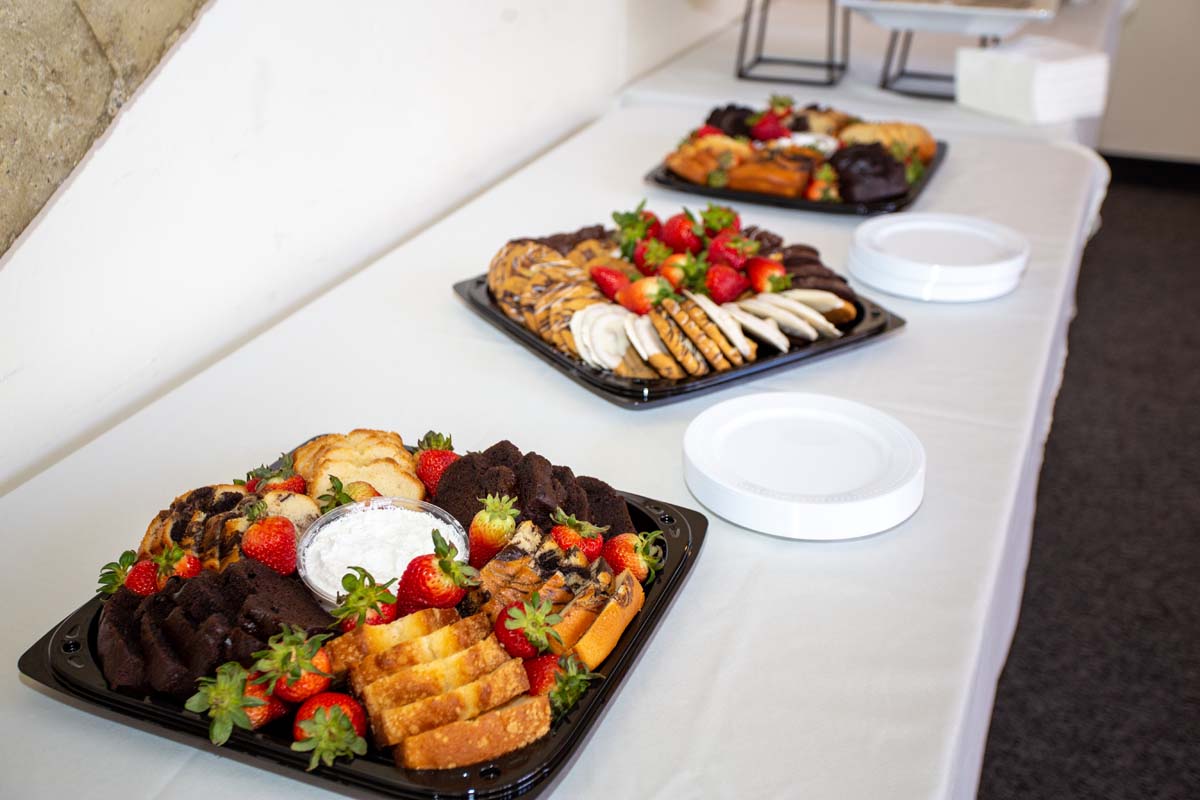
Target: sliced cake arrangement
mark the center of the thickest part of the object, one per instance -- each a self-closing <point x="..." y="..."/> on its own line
<point x="459" y="659"/>
<point x="673" y="299"/>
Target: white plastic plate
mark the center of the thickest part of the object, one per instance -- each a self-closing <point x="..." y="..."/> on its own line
<point x="998" y="18"/>
<point x="804" y="466"/>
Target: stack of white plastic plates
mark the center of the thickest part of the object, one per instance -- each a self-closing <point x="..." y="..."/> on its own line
<point x="804" y="466"/>
<point x="944" y="258"/>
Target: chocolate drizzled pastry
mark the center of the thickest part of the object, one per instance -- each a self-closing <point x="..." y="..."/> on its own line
<point x="868" y="172"/>
<point x="566" y="242"/>
<point x="768" y="241"/>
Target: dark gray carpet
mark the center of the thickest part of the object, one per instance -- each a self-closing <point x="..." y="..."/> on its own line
<point x="1100" y="697"/>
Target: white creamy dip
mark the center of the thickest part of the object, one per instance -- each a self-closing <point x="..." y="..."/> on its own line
<point x="381" y="540"/>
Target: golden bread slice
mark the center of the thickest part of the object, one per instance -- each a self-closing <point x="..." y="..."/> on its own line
<point x="348" y="649"/>
<point x="578" y="617"/>
<point x="304" y="457"/>
<point x="387" y="475"/>
<point x="301" y="509"/>
<point x="430" y="647"/>
<point x="491" y="735"/>
<point x="467" y="701"/>
<point x="601" y="637"/>
<point x="426" y="680"/>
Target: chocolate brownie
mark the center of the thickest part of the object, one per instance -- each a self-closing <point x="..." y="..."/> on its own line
<point x="606" y="507"/>
<point x="868" y="172"/>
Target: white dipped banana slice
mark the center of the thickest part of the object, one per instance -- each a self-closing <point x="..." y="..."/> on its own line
<point x="766" y="330"/>
<point x="809" y="315"/>
<point x="787" y="320"/>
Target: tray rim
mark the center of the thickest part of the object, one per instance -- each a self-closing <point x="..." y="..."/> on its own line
<point x="684" y="524"/>
<point x="663" y="178"/>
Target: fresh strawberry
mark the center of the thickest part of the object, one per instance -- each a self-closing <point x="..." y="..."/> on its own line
<point x="491" y="528"/>
<point x="569" y="532"/>
<point x="174" y="562"/>
<point x="526" y="628"/>
<point x="720" y="219"/>
<point x="706" y="130"/>
<point x="294" y="666"/>
<point x="610" y="280"/>
<point x="781" y="105"/>
<point x="139" y="577"/>
<point x="823" y="186"/>
<point x="767" y="126"/>
<point x="336" y="496"/>
<point x="275" y="479"/>
<point x="261" y="715"/>
<point x="640" y="553"/>
<point x="229" y="702"/>
<point x="272" y="540"/>
<point x="684" y="271"/>
<point x="435" y="580"/>
<point x="648" y="254"/>
<point x="725" y="284"/>
<point x="435" y="453"/>
<point x="633" y="226"/>
<point x="365" y="601"/>
<point x="767" y="275"/>
<point x="361" y="490"/>
<point x="330" y="725"/>
<point x="731" y="249"/>
<point x="561" y="677"/>
<point x="682" y="233"/>
<point x="641" y="296"/>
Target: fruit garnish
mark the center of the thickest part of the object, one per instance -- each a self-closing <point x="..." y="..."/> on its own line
<point x="767" y="275"/>
<point x="174" y="562"/>
<point x="294" y="666"/>
<point x="115" y="574"/>
<point x="330" y="725"/>
<point x="570" y="532"/>
<point x="732" y="249"/>
<point x="610" y="280"/>
<point x="648" y="254"/>
<point x="641" y="296"/>
<point x="525" y="628"/>
<point x="336" y="496"/>
<point x="282" y="478"/>
<point x="561" y="677"/>
<point x="633" y="226"/>
<point x="823" y="185"/>
<point x="720" y="219"/>
<point x="272" y="541"/>
<point x="225" y="700"/>
<point x="365" y="602"/>
<point x="640" y="553"/>
<point x="682" y="233"/>
<point x="724" y="283"/>
<point x="435" y="453"/>
<point x="491" y="528"/>
<point x="435" y="580"/>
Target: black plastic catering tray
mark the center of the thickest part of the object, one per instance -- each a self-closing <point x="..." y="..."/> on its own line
<point x="665" y="178"/>
<point x="64" y="661"/>
<point x="873" y="322"/>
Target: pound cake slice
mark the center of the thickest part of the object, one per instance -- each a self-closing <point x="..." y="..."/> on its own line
<point x="602" y="636"/>
<point x="430" y="647"/>
<point x="348" y="649"/>
<point x="426" y="680"/>
<point x="491" y="735"/>
<point x="466" y="702"/>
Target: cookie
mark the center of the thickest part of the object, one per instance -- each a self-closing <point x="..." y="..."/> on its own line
<point x="713" y="332"/>
<point x="710" y="350"/>
<point x="678" y="344"/>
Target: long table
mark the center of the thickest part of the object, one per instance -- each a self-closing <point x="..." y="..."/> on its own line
<point x="860" y="669"/>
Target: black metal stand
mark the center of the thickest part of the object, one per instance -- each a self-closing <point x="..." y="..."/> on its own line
<point x="833" y="67"/>
<point x="890" y="79"/>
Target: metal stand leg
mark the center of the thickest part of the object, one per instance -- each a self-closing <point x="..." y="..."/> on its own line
<point x="891" y="78"/>
<point x="832" y="65"/>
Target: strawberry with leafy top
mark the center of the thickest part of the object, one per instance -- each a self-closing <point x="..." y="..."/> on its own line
<point x="640" y="553"/>
<point x="294" y="666"/>
<point x="174" y="562"/>
<point x="641" y="296"/>
<point x="706" y="130"/>
<point x="684" y="271"/>
<point x="648" y="254"/>
<point x="435" y="453"/>
<point x="330" y="725"/>
<point x="230" y="700"/>
<point x="365" y="602"/>
<point x="435" y="580"/>
<point x="720" y="219"/>
<point x="732" y="249"/>
<point x="272" y="541"/>
<point x="767" y="126"/>
<point x="139" y="577"/>
<point x="823" y="186"/>
<point x="767" y="275"/>
<point x="781" y="105"/>
<point x="725" y="284"/>
<point x="634" y="226"/>
<point x="339" y="495"/>
<point x="569" y="532"/>
<point x="491" y="528"/>
<point x="525" y="628"/>
<point x="274" y="479"/>
<point x="561" y="677"/>
<point x="610" y="280"/>
<point x="682" y="233"/>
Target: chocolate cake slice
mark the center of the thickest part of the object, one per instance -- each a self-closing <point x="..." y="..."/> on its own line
<point x="118" y="641"/>
<point x="606" y="507"/>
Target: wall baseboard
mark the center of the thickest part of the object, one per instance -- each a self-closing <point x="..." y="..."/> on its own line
<point x="1181" y="175"/>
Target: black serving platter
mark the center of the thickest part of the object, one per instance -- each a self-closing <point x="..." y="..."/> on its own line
<point x="661" y="176"/>
<point x="873" y="322"/>
<point x="64" y="661"/>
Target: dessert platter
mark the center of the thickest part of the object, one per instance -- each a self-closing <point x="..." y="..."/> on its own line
<point x="656" y="310"/>
<point x="812" y="158"/>
<point x="365" y="615"/>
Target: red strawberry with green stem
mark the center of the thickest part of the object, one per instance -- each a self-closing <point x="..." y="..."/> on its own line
<point x="174" y="562"/>
<point x="648" y="254"/>
<point x="271" y="479"/>
<point x="272" y="541"/>
<point x="231" y="701"/>
<point x="640" y="553"/>
<point x="641" y="296"/>
<point x="365" y="602"/>
<point x="435" y="580"/>
<point x="561" y="677"/>
<point x="435" y="453"/>
<point x="610" y="280"/>
<point x="767" y="275"/>
<point x="732" y="249"/>
<point x="781" y="104"/>
<point x="706" y="130"/>
<point x="139" y="577"/>
<point x="525" y="628"/>
<point x="725" y="284"/>
<point x="682" y="233"/>
<point x="491" y="528"/>
<point x="634" y="226"/>
<point x="569" y="532"/>
<point x="294" y="666"/>
<point x="330" y="725"/>
<point x="720" y="219"/>
<point x="767" y="126"/>
<point x="684" y="271"/>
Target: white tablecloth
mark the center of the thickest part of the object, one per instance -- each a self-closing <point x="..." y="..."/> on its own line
<point x="704" y="76"/>
<point x="855" y="670"/>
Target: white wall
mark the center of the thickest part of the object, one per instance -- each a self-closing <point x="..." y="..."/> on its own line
<point x="280" y="147"/>
<point x="1154" y="101"/>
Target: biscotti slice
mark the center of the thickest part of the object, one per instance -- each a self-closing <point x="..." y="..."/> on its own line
<point x="467" y="701"/>
<point x="430" y="647"/>
<point x="601" y="638"/>
<point x="503" y="730"/>
<point x="348" y="649"/>
<point x="426" y="680"/>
